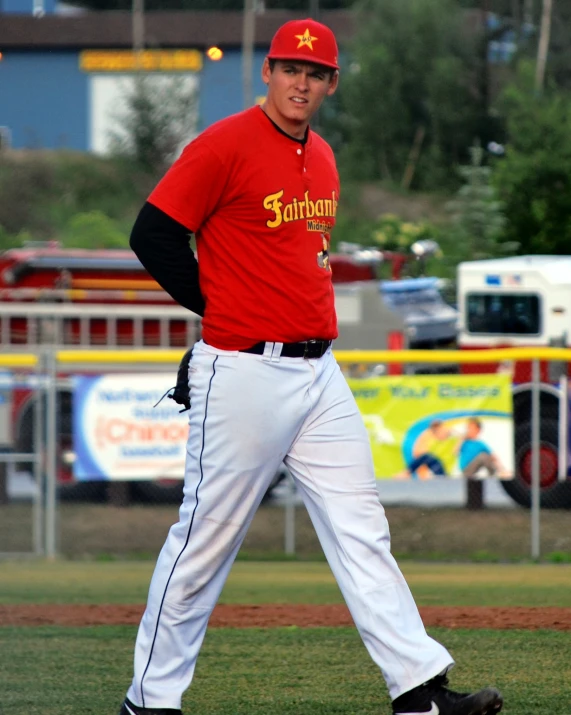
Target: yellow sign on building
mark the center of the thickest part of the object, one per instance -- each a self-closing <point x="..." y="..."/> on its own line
<point x="142" y="61"/>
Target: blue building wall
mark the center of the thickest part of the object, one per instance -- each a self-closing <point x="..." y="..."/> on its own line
<point x="44" y="96"/>
<point x="43" y="100"/>
<point x="221" y="91"/>
<point x="25" y="7"/>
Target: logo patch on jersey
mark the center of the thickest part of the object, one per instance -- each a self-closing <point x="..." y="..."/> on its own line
<point x="305" y="209"/>
<point x="323" y="256"/>
<point x="305" y="40"/>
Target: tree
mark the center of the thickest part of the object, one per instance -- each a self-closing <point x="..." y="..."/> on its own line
<point x="534" y="178"/>
<point x="411" y="79"/>
<point x="477" y="217"/>
<point x="157" y="118"/>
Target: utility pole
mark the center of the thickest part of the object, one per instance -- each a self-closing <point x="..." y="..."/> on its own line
<point x="528" y="12"/>
<point x="516" y="16"/>
<point x="314" y="15"/>
<point x="543" y="48"/>
<point x="485" y="71"/>
<point x="138" y="28"/>
<point x="248" y="32"/>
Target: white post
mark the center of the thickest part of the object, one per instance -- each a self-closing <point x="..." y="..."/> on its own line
<point x="290" y="518"/>
<point x="535" y="463"/>
<point x="563" y="427"/>
<point x="51" y="452"/>
<point x="37" y="469"/>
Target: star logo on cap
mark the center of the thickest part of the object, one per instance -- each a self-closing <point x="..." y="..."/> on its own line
<point x="305" y="40"/>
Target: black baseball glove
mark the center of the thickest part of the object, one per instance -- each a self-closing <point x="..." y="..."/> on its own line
<point x="181" y="392"/>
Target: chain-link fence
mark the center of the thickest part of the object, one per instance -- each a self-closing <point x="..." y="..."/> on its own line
<point x="22" y="486"/>
<point x="509" y="502"/>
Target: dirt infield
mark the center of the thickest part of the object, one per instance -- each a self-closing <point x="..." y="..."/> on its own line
<point x="271" y="615"/>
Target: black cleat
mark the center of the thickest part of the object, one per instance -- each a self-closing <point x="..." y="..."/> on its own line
<point x="434" y="698"/>
<point x="128" y="708"/>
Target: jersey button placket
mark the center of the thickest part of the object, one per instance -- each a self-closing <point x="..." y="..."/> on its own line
<point x="303" y="155"/>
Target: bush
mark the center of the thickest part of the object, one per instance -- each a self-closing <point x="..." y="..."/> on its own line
<point x="94" y="230"/>
<point x="70" y="197"/>
<point x="25" y="181"/>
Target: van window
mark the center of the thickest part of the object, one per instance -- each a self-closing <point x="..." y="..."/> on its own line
<point x="493" y="313"/>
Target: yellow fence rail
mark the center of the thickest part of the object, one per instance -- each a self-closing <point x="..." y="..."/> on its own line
<point x="15" y="360"/>
<point x="345" y="356"/>
<point x="18" y="360"/>
<point x="459" y="356"/>
<point x="118" y="356"/>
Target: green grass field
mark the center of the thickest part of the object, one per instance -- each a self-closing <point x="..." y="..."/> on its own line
<point x="75" y="671"/>
<point x="55" y="671"/>
<point x="289" y="582"/>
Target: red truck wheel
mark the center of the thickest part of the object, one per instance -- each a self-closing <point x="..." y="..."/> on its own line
<point x="554" y="494"/>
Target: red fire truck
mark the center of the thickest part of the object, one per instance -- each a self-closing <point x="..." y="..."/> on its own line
<point x="81" y="298"/>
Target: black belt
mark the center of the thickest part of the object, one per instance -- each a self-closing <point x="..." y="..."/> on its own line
<point x="307" y="349"/>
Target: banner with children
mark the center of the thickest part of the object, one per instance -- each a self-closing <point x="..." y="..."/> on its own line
<point x="438" y="426"/>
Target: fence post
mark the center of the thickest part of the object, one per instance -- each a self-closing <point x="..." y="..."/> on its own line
<point x="51" y="451"/>
<point x="38" y="449"/>
<point x="3" y="483"/>
<point x="474" y="494"/>
<point x="563" y="427"/>
<point x="535" y="462"/>
<point x="290" y="518"/>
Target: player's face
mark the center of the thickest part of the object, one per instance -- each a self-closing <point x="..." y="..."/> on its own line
<point x="295" y="92"/>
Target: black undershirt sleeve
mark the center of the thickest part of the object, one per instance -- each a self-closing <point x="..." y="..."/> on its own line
<point x="163" y="247"/>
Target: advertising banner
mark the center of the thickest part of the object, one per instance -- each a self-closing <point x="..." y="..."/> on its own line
<point x="420" y="427"/>
<point x="119" y="434"/>
<point x="438" y="426"/>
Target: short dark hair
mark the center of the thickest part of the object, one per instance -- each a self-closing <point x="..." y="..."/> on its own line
<point x="328" y="70"/>
<point x="475" y="421"/>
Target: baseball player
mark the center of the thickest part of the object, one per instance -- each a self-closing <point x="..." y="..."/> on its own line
<point x="260" y="192"/>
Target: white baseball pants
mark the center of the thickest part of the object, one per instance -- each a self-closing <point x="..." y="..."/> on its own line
<point x="249" y="413"/>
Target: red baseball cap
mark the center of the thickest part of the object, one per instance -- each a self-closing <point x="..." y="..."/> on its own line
<point x="305" y="41"/>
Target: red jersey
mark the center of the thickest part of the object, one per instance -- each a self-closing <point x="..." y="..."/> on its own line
<point x="262" y="206"/>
